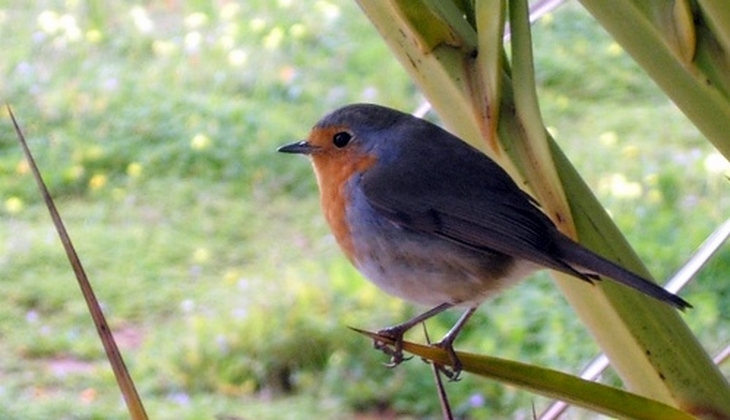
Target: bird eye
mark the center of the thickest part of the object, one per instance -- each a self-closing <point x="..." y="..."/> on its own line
<point x="341" y="139"/>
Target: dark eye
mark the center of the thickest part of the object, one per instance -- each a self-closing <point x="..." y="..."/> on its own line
<point x="341" y="139"/>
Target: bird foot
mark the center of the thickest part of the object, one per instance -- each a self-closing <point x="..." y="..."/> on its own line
<point x="394" y="349"/>
<point x="452" y="373"/>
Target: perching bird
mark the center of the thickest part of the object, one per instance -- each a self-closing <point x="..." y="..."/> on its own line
<point x="432" y="220"/>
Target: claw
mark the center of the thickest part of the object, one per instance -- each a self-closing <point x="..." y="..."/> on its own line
<point x="447" y="343"/>
<point x="395" y="361"/>
<point x="395" y="350"/>
<point x="395" y="334"/>
<point x="452" y="374"/>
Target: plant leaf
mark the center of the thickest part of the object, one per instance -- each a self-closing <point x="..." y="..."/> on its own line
<point x="550" y="383"/>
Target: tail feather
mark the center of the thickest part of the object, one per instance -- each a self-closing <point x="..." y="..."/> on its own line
<point x="580" y="257"/>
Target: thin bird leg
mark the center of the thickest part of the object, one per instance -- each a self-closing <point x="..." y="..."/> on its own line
<point x="447" y="343"/>
<point x="396" y="333"/>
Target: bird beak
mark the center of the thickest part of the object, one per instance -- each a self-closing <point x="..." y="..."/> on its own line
<point x="301" y="147"/>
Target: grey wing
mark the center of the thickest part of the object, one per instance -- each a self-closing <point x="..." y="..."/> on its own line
<point x="475" y="204"/>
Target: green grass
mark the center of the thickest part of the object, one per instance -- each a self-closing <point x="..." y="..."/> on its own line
<point x="207" y="249"/>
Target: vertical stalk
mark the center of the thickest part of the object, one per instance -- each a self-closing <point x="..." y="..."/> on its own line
<point x="464" y="73"/>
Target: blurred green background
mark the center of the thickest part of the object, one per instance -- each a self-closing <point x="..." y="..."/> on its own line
<point x="155" y="125"/>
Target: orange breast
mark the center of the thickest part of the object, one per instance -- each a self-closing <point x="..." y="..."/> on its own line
<point x="334" y="171"/>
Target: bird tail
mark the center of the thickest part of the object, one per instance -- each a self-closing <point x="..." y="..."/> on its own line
<point x="582" y="258"/>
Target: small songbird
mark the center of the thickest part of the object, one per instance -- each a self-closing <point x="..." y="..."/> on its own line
<point x="434" y="221"/>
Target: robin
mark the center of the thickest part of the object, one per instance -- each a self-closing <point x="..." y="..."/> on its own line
<point x="434" y="221"/>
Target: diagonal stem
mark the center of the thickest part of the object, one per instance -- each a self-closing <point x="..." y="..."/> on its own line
<point x="134" y="404"/>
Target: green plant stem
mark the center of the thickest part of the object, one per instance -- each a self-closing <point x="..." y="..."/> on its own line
<point x="701" y="98"/>
<point x="648" y="343"/>
<point x="550" y="383"/>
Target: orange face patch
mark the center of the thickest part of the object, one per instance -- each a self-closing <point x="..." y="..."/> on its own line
<point x="334" y="167"/>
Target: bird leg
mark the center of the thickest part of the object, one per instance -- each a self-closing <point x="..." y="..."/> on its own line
<point x="395" y="333"/>
<point x="447" y="343"/>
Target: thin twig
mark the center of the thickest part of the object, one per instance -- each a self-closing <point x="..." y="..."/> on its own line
<point x="722" y="356"/>
<point x="440" y="389"/>
<point x="126" y="385"/>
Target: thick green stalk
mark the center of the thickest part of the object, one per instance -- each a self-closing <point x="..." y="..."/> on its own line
<point x="699" y="87"/>
<point x="646" y="341"/>
<point x="489" y="16"/>
<point x="443" y="68"/>
<point x="532" y="150"/>
<point x="432" y="54"/>
<point x="649" y="345"/>
<point x="717" y="13"/>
